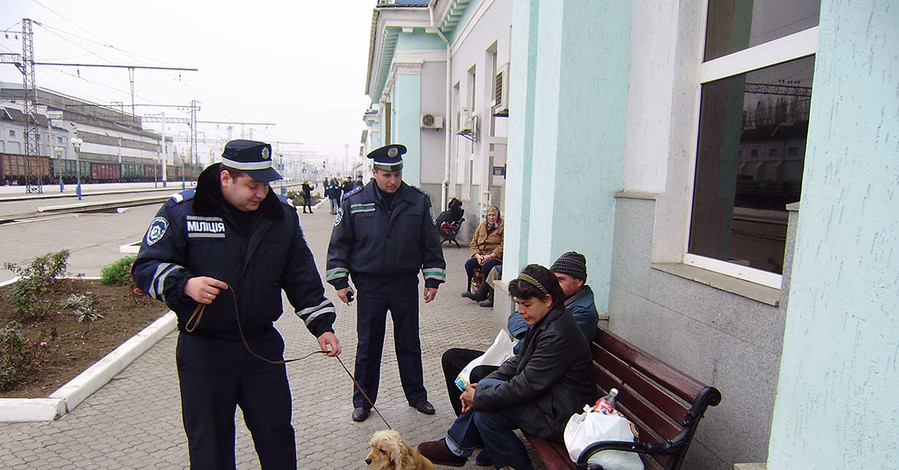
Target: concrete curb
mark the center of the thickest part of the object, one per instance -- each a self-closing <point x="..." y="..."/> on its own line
<point x="78" y="389"/>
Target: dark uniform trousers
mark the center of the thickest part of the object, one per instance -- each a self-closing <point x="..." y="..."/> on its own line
<point x="376" y="295"/>
<point x="216" y="375"/>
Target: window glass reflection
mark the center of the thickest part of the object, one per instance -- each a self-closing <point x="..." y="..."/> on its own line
<point x="750" y="156"/>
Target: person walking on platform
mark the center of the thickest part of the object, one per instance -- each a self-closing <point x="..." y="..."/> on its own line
<point x="384" y="234"/>
<point x="227" y="249"/>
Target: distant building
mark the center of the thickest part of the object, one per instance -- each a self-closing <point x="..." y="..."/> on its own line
<point x="111" y="137"/>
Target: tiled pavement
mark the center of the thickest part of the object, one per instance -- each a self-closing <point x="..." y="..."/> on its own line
<point x="135" y="420"/>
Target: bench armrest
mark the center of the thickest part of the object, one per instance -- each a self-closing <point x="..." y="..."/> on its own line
<point x="635" y="447"/>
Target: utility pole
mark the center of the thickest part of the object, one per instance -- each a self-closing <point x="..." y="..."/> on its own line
<point x="164" y="120"/>
<point x="194" y="107"/>
<point x="29" y="88"/>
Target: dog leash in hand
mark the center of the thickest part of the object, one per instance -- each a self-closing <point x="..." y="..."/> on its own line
<point x="194" y="321"/>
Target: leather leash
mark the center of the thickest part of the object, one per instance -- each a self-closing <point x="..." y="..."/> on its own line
<point x="197" y="316"/>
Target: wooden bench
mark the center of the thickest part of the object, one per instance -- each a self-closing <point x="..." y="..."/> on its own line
<point x="664" y="403"/>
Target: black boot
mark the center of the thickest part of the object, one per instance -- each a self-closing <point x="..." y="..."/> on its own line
<point x="488" y="302"/>
<point x="481" y="293"/>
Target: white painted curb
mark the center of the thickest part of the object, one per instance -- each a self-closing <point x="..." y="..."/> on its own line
<point x="73" y="393"/>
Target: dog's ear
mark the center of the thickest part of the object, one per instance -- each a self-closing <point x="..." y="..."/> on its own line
<point x="394" y="451"/>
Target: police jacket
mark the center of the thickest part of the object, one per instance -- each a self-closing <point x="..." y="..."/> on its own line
<point x="196" y="234"/>
<point x="371" y="238"/>
<point x="552" y="377"/>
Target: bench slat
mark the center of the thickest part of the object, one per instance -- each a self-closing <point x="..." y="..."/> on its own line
<point x="685" y="386"/>
<point x="665" y="415"/>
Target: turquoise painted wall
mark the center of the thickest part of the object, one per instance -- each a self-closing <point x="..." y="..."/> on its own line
<point x="407" y="111"/>
<point x="836" y="403"/>
<point x="418" y="40"/>
<point x="573" y="147"/>
<point x="523" y="72"/>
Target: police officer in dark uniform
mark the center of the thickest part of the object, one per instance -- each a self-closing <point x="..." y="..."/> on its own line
<point x="230" y="246"/>
<point x="384" y="234"/>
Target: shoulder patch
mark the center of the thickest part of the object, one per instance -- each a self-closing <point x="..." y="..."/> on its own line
<point x="184" y="196"/>
<point x="285" y="201"/>
<point x="157" y="230"/>
<point x="354" y="191"/>
<point x="339" y="217"/>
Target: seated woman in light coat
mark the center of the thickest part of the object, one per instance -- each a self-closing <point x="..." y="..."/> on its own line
<point x="486" y="252"/>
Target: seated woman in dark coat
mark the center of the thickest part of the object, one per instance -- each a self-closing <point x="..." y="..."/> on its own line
<point x="536" y="391"/>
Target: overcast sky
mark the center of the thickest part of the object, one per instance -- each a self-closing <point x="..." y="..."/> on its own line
<point x="299" y="64"/>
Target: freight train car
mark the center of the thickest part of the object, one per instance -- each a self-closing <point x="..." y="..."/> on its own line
<point x="66" y="170"/>
<point x="105" y="172"/>
<point x="14" y="168"/>
<point x="134" y="172"/>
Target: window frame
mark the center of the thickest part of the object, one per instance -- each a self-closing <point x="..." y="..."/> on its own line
<point x="794" y="46"/>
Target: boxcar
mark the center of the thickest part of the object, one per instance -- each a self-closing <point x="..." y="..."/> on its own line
<point x="66" y="169"/>
<point x="133" y="172"/>
<point x="14" y="168"/>
<point x="105" y="172"/>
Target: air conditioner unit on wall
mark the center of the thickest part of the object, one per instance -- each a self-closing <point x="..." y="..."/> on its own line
<point x="431" y="121"/>
<point x="501" y="92"/>
<point x="464" y="123"/>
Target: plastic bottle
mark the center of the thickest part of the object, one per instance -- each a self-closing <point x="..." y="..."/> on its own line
<point x="606" y="404"/>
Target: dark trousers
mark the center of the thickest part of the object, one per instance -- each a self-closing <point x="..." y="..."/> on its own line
<point x="453" y="361"/>
<point x="471" y="265"/>
<point x="377" y="294"/>
<point x="218" y="375"/>
<point x="495" y="429"/>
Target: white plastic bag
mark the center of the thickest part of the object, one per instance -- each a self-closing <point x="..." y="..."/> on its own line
<point x="588" y="427"/>
<point x="496" y="354"/>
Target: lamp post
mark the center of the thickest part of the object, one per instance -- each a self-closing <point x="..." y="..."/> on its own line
<point x="156" y="170"/>
<point x="59" y="151"/>
<point x="76" y="142"/>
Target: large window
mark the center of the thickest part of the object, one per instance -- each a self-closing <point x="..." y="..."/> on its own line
<point x="756" y="91"/>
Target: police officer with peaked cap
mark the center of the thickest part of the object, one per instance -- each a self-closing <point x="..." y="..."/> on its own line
<point x="230" y="246"/>
<point x="384" y="234"/>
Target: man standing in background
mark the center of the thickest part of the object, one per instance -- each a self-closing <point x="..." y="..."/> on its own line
<point x="384" y="234"/>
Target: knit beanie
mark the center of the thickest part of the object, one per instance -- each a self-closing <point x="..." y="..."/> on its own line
<point x="573" y="264"/>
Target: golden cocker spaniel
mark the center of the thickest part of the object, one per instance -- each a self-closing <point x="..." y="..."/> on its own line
<point x="389" y="451"/>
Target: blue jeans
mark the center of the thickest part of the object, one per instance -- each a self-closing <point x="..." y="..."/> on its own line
<point x="494" y="429"/>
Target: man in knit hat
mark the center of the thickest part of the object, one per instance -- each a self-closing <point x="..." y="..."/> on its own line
<point x="571" y="271"/>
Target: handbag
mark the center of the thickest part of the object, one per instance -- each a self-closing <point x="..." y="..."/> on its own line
<point x="590" y="426"/>
<point x="496" y="354"/>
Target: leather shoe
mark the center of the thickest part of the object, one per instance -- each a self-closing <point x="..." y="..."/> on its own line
<point x="483" y="459"/>
<point x="486" y="303"/>
<point x="438" y="452"/>
<point x="424" y="407"/>
<point x="360" y="414"/>
<point x="468" y="295"/>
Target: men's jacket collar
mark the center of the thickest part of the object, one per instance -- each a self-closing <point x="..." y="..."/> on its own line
<point x="208" y="198"/>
